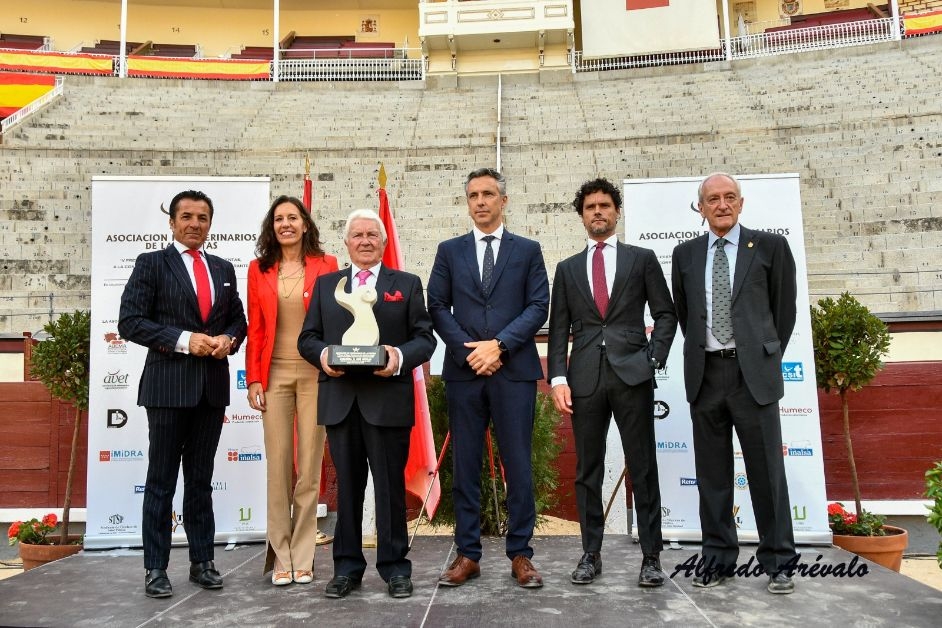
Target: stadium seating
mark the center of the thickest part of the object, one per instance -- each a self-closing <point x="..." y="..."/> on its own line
<point x="859" y="125"/>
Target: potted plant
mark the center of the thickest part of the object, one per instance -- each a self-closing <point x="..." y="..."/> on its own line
<point x="934" y="493"/>
<point x="61" y="363"/>
<point x="849" y="343"/>
<point x="35" y="547"/>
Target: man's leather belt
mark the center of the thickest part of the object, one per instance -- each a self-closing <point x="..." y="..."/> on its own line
<point x="722" y="353"/>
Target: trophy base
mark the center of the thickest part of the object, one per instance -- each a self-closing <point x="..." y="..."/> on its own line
<point x="356" y="357"/>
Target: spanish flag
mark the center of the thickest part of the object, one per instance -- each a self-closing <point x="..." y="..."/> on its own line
<point x="18" y="90"/>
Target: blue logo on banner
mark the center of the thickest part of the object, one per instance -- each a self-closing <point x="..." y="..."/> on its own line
<point x="138" y="488"/>
<point x="688" y="481"/>
<point x="240" y="380"/>
<point x="793" y="372"/>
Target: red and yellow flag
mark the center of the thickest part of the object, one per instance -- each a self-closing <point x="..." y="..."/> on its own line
<point x="420" y="467"/>
<point x="18" y="90"/>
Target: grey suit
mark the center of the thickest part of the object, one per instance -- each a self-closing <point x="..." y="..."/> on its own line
<point x="610" y="371"/>
<point x="741" y="392"/>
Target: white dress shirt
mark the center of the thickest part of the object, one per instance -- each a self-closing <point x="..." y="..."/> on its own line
<point x="183" y="342"/>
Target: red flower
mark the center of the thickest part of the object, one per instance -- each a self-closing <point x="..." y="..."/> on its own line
<point x="14" y="529"/>
<point x="836" y="509"/>
<point x="50" y="520"/>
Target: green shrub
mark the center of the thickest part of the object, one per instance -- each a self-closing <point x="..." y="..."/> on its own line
<point x="546" y="448"/>
<point x="934" y="493"/>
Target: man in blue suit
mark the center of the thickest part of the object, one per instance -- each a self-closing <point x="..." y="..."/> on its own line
<point x="184" y="306"/>
<point x="488" y="295"/>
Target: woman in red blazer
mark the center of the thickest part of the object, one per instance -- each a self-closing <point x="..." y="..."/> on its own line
<point x="283" y="385"/>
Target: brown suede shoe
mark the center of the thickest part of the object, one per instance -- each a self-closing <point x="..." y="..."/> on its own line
<point x="525" y="573"/>
<point x="460" y="571"/>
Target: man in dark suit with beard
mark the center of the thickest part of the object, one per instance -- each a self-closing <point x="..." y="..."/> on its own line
<point x="599" y="296"/>
<point x="183" y="305"/>
<point x="369" y="416"/>
<point x="735" y="290"/>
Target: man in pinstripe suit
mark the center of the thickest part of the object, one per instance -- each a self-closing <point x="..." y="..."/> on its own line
<point x="184" y="306"/>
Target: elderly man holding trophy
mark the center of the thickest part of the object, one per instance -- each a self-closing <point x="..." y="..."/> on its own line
<point x="366" y="329"/>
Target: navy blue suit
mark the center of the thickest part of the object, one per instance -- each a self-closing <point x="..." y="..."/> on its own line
<point x="185" y="395"/>
<point x="513" y="309"/>
<point x="369" y="418"/>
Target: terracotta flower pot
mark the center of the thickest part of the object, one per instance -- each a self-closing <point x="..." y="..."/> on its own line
<point x="883" y="550"/>
<point x="35" y="555"/>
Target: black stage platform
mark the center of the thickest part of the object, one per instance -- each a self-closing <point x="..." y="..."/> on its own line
<point x="105" y="588"/>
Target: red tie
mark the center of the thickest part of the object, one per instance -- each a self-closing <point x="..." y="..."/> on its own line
<point x="599" y="286"/>
<point x="204" y="294"/>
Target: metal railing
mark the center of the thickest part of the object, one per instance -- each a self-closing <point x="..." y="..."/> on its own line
<point x="757" y="45"/>
<point x="27" y="110"/>
<point x="382" y="64"/>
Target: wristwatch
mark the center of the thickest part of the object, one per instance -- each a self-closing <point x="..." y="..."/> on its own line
<point x="501" y="345"/>
<point x="655" y="364"/>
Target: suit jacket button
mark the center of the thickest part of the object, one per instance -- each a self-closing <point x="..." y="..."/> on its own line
<point x="306" y="295"/>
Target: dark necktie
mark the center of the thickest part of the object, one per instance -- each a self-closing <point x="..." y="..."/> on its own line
<point x="204" y="294"/>
<point x="722" y="323"/>
<point x="488" y="271"/>
<point x="599" y="285"/>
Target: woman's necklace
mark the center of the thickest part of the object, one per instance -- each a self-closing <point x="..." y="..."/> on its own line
<point x="298" y="277"/>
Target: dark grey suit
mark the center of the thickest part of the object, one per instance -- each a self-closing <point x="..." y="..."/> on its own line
<point x="610" y="371"/>
<point x="185" y="395"/>
<point x="740" y="392"/>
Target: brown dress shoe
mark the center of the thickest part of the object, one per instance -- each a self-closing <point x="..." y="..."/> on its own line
<point x="525" y="573"/>
<point x="460" y="571"/>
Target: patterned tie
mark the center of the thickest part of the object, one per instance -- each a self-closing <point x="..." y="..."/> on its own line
<point x="362" y="276"/>
<point x="204" y="294"/>
<point x="599" y="285"/>
<point x="722" y="323"/>
<point x="488" y="271"/>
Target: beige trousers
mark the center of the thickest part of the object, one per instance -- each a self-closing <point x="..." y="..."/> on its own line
<point x="292" y="511"/>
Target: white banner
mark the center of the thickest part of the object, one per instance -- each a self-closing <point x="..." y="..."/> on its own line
<point x="611" y="29"/>
<point x="128" y="219"/>
<point x="659" y="214"/>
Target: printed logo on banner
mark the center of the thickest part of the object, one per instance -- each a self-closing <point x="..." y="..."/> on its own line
<point x="793" y="372"/>
<point x="244" y="520"/>
<point x="800" y="448"/>
<point x="116" y="344"/>
<point x="736" y="518"/>
<point x="138" y="489"/>
<point x="242" y="418"/>
<point x="245" y="454"/>
<point x="672" y="447"/>
<point x="688" y="481"/>
<point x="661" y="409"/>
<point x="219" y="485"/>
<point x="176" y="521"/>
<point x="240" y="380"/>
<point x="671" y="522"/>
<point x="120" y="455"/>
<point x="792" y="411"/>
<point x="117" y="417"/>
<point x="115" y="525"/>
<point x="799" y="513"/>
<point x="740" y="481"/>
<point x="115" y="380"/>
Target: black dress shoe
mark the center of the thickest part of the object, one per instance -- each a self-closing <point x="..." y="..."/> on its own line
<point x="400" y="586"/>
<point x="590" y="565"/>
<point x="340" y="586"/>
<point x="205" y="575"/>
<point x="157" y="584"/>
<point x="651" y="574"/>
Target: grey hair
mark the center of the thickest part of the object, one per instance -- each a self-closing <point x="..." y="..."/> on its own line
<point x="364" y="214"/>
<point x="487" y="172"/>
<point x="717" y="174"/>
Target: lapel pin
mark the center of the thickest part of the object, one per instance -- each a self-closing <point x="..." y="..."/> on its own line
<point x="749" y="245"/>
